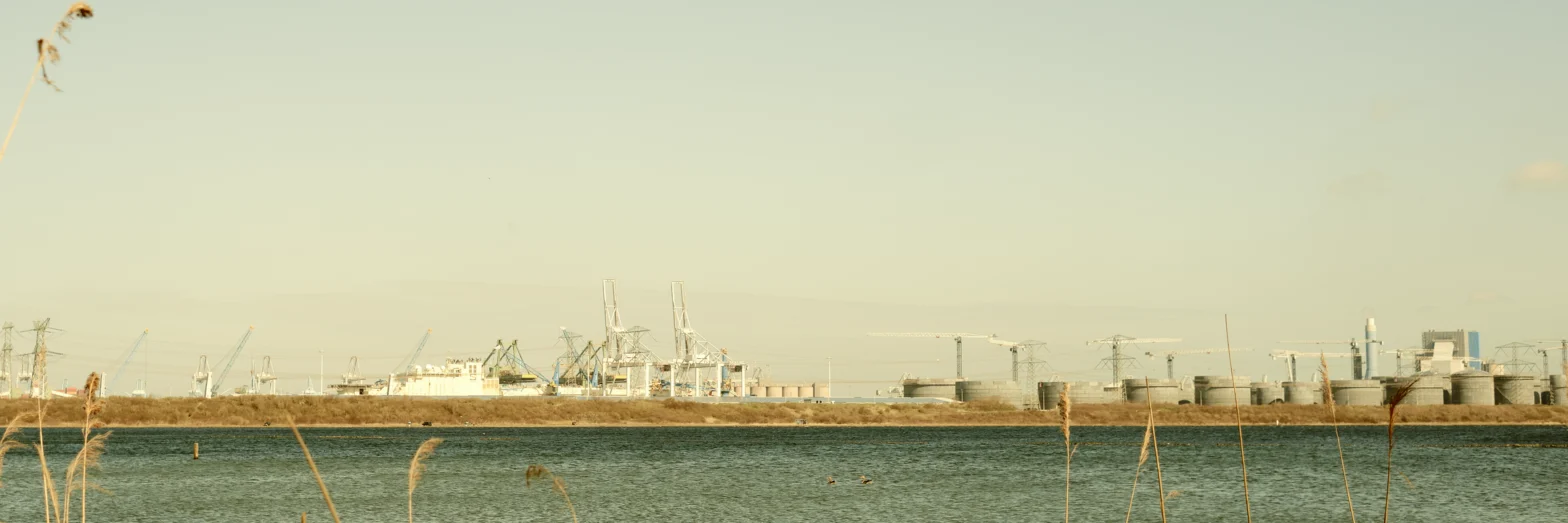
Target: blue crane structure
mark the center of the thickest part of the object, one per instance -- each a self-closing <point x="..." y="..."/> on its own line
<point x="129" y="355"/>
<point x="232" y="357"/>
<point x="406" y="362"/>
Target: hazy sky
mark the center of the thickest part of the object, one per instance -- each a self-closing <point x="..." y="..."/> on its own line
<point x="1028" y="168"/>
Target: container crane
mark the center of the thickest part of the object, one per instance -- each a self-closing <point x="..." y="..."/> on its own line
<point x="414" y="356"/>
<point x="129" y="355"/>
<point x="1399" y="359"/>
<point x="958" y="340"/>
<point x="1292" y="355"/>
<point x="1355" y="352"/>
<point x="1117" y="360"/>
<point x="234" y="355"/>
<point x="1170" y="357"/>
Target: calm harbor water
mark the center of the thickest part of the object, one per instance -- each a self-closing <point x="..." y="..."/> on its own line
<point x="779" y="474"/>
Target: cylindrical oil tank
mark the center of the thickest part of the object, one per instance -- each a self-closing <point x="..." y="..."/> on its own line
<point x="774" y="391"/>
<point x="1113" y="393"/>
<point x="1086" y="392"/>
<point x="1005" y="391"/>
<point x="1357" y="392"/>
<point x="1390" y="384"/>
<point x="1559" y="384"/>
<point x="1303" y="392"/>
<point x="1140" y="391"/>
<point x="931" y="388"/>
<point x="1267" y="393"/>
<point x="1200" y="384"/>
<point x="1228" y="391"/>
<point x="1188" y="394"/>
<point x="792" y="391"/>
<point x="808" y="391"/>
<point x="822" y="390"/>
<point x="1514" y="389"/>
<point x="1427" y="389"/>
<point x="1050" y="393"/>
<point x="1473" y="387"/>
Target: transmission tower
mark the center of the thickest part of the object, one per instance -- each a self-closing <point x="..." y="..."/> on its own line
<point x="1515" y="364"/>
<point x="6" y="373"/>
<point x="39" y="384"/>
<point x="1118" y="361"/>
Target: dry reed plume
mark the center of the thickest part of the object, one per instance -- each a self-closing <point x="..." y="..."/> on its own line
<point x="1328" y="400"/>
<point x="1143" y="457"/>
<point x="92" y="447"/>
<point x="47" y="52"/>
<point x="416" y="470"/>
<point x="8" y="440"/>
<point x="1393" y="404"/>
<point x="333" y="509"/>
<point x="556" y="484"/>
<point x="1064" y="407"/>
<point x="1241" y="439"/>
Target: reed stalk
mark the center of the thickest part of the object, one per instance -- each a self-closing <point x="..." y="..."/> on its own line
<point x="1241" y="439"/>
<point x="331" y="508"/>
<point x="1143" y="457"/>
<point x="556" y="484"/>
<point x="1154" y="436"/>
<point x="8" y="441"/>
<point x="1333" y="416"/>
<point x="1393" y="404"/>
<point x="47" y="52"/>
<point x="416" y="470"/>
<point x="1064" y="408"/>
<point x="92" y="447"/>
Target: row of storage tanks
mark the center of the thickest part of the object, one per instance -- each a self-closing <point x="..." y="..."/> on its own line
<point x="1464" y="388"/>
<point x="812" y="390"/>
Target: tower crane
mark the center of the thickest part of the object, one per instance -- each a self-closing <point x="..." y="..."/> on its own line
<point x="1028" y="346"/>
<point x="1399" y="359"/>
<point x="1355" y="352"/>
<point x="1292" y="355"/>
<point x="1562" y="345"/>
<point x="234" y="355"/>
<point x="130" y="354"/>
<point x="414" y="356"/>
<point x="958" y="340"/>
<point x="1117" y="360"/>
<point x="1170" y="357"/>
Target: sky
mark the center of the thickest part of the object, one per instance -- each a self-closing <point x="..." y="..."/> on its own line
<point x="345" y="175"/>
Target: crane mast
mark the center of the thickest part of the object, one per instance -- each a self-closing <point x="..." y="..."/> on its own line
<point x="958" y="341"/>
<point x="413" y="357"/>
<point x="234" y="355"/>
<point x="129" y="355"/>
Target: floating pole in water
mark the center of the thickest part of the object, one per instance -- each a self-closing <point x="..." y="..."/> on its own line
<point x="196" y="451"/>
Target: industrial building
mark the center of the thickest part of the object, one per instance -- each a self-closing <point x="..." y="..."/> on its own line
<point x="1448" y="352"/>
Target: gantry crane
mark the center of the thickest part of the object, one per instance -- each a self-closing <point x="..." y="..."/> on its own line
<point x="1399" y="359"/>
<point x="1355" y="352"/>
<point x="1170" y="357"/>
<point x="1029" y="347"/>
<point x="413" y="358"/>
<point x="217" y="383"/>
<point x="1117" y="360"/>
<point x="958" y="340"/>
<point x="1291" y="355"/>
<point x="130" y="354"/>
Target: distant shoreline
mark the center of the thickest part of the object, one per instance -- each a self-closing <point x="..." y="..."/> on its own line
<point x="254" y="411"/>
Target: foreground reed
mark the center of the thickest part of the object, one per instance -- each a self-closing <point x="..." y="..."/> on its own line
<point x="1328" y="400"/>
<point x="1064" y="407"/>
<point x="556" y="484"/>
<point x="1241" y="439"/>
<point x="1393" y="405"/>
<point x="47" y="53"/>
<point x="416" y="470"/>
<point x="1143" y="457"/>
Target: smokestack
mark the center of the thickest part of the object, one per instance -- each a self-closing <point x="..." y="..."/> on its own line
<point x="1371" y="348"/>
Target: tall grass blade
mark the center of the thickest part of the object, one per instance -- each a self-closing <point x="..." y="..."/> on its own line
<point x="1143" y="457"/>
<point x="47" y="52"/>
<point x="333" y="509"/>
<point x="1241" y="439"/>
<point x="1333" y="415"/>
<point x="1154" y="438"/>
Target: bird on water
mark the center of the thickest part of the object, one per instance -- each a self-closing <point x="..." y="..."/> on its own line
<point x="865" y="480"/>
<point x="832" y="481"/>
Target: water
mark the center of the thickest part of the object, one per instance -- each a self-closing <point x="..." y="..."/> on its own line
<point x="779" y="474"/>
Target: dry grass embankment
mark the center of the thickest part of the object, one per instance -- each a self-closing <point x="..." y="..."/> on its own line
<point x="257" y="410"/>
